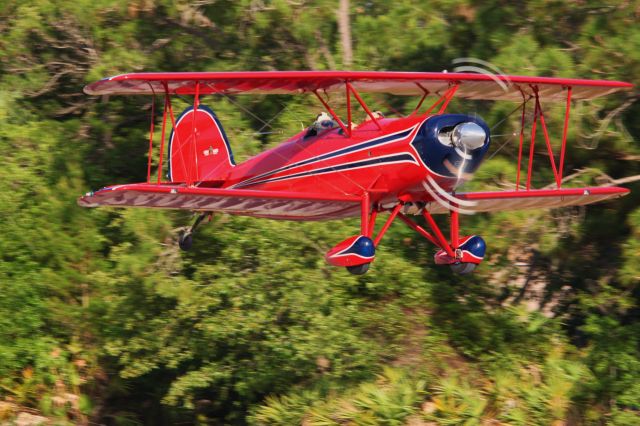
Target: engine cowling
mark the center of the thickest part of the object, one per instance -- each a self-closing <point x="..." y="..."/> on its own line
<point x="453" y="145"/>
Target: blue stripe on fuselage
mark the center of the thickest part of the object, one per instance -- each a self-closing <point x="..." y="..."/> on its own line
<point x="364" y="145"/>
<point x="396" y="158"/>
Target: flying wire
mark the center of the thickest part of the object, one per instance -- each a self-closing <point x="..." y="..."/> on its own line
<point x="268" y="123"/>
<point x="502" y="146"/>
<point x="510" y="114"/>
<point x="511" y="135"/>
<point x="239" y="105"/>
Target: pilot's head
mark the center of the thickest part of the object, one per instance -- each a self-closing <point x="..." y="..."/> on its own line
<point x="324" y="121"/>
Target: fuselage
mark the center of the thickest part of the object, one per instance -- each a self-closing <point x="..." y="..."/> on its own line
<point x="391" y="161"/>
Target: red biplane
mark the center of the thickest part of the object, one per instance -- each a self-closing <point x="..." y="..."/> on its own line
<point x="334" y="169"/>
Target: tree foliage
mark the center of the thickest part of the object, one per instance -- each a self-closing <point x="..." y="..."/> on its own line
<point x="103" y="319"/>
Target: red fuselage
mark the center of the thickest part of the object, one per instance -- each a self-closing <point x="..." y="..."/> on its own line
<point x="416" y="159"/>
<point x="382" y="161"/>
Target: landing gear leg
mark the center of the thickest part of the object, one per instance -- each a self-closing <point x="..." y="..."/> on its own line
<point x="357" y="252"/>
<point x="185" y="241"/>
<point x="463" y="254"/>
<point x="469" y="252"/>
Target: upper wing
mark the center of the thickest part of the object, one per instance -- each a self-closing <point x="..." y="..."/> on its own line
<point x="531" y="199"/>
<point x="269" y="204"/>
<point x="471" y="86"/>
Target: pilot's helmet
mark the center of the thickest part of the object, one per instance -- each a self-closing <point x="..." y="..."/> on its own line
<point x="324" y="121"/>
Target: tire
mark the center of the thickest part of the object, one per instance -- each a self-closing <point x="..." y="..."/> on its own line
<point x="463" y="268"/>
<point x="185" y="241"/>
<point x="359" y="269"/>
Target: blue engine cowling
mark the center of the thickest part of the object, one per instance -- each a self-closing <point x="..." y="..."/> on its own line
<point x="439" y="152"/>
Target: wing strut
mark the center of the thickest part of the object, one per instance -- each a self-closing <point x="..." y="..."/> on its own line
<point x="163" y="134"/>
<point x="348" y="96"/>
<point x="364" y="106"/>
<point x="534" y="126"/>
<point x="524" y="104"/>
<point x="538" y="114"/>
<point x="153" y="116"/>
<point x="444" y="100"/>
<point x="545" y="132"/>
<point x="564" y="133"/>
<point x="167" y="113"/>
<point x="193" y="175"/>
<point x="448" y="97"/>
<point x="333" y="114"/>
<point x="167" y="104"/>
<point x="424" y="96"/>
<point x="349" y="89"/>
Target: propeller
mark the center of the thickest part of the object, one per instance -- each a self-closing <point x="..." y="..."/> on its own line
<point x="465" y="137"/>
<point x="445" y="199"/>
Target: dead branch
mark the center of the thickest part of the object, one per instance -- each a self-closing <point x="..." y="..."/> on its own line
<point x="344" y="28"/>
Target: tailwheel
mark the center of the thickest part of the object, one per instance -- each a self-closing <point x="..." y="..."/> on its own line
<point x="186" y="241"/>
<point x="463" y="268"/>
<point x="359" y="269"/>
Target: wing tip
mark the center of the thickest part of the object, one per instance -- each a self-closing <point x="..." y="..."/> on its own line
<point x="85" y="201"/>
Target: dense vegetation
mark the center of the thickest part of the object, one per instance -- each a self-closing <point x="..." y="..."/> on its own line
<point x="103" y="319"/>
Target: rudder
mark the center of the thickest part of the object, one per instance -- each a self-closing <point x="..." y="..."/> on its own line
<point x="199" y="148"/>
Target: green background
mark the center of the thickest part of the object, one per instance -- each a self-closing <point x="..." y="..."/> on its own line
<point x="104" y="321"/>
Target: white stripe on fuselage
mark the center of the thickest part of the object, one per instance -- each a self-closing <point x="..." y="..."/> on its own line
<point x="315" y="159"/>
<point x="318" y="171"/>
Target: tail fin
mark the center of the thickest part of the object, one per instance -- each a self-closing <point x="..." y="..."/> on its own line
<point x="198" y="148"/>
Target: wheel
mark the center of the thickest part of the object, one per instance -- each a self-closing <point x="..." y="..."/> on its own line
<point x="185" y="241"/>
<point x="359" y="269"/>
<point x="463" y="268"/>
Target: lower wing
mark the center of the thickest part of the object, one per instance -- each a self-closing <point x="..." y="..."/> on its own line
<point x="532" y="199"/>
<point x="268" y="204"/>
<point x="307" y="206"/>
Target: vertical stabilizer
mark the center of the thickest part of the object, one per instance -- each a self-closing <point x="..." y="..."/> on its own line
<point x="198" y="148"/>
